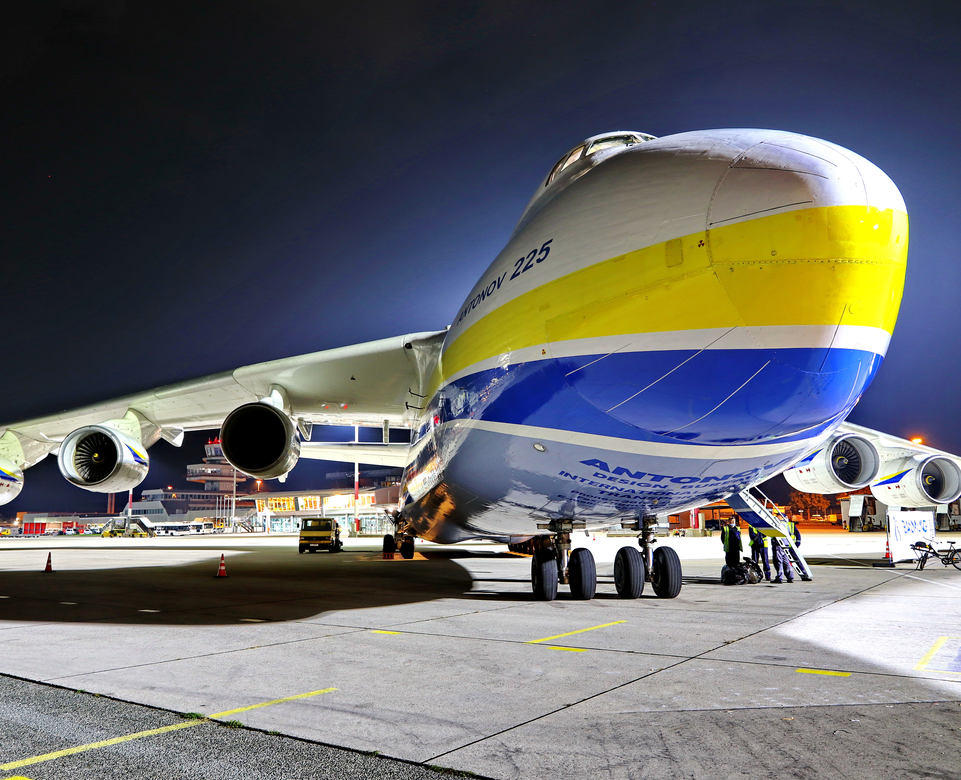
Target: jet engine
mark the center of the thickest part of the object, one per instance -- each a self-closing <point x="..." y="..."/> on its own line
<point x="102" y="459"/>
<point x="11" y="481"/>
<point x="260" y="440"/>
<point x="919" y="481"/>
<point x="846" y="462"/>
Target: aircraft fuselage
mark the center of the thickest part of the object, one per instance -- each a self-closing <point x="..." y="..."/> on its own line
<point x="672" y="321"/>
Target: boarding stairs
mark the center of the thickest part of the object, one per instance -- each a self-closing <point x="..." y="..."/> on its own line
<point x="762" y="513"/>
<point x="247" y="521"/>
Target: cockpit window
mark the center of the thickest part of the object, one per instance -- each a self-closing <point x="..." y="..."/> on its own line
<point x="592" y="146"/>
<point x="566" y="160"/>
<point x="609" y="143"/>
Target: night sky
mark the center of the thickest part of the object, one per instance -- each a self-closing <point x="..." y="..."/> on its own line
<point x="192" y="187"/>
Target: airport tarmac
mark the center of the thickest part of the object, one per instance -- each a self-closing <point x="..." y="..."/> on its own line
<point x="447" y="661"/>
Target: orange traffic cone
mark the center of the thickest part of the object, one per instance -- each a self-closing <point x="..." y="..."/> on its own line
<point x="222" y="571"/>
<point x="49" y="563"/>
<point x="888" y="561"/>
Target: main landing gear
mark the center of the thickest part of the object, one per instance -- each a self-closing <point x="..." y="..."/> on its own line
<point x="406" y="545"/>
<point x="553" y="562"/>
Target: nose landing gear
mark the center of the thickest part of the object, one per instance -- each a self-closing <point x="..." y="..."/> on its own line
<point x="554" y="562"/>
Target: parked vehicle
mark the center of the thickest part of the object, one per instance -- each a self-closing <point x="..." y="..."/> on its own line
<point x="320" y="533"/>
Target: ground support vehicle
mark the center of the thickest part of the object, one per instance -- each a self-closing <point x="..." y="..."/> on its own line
<point x="128" y="527"/>
<point x="320" y="533"/>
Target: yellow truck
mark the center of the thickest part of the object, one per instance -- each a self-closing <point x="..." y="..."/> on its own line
<point x="320" y="533"/>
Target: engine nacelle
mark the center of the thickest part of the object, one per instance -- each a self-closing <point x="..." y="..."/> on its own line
<point x="260" y="440"/>
<point x="919" y="481"/>
<point x="846" y="462"/>
<point x="102" y="459"/>
<point x="11" y="481"/>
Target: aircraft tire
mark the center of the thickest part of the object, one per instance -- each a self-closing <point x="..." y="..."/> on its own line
<point x="666" y="573"/>
<point x="390" y="544"/>
<point x="544" y="574"/>
<point x="629" y="573"/>
<point x="407" y="549"/>
<point x="582" y="574"/>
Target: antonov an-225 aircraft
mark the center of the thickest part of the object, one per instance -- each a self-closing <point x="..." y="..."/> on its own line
<point x="673" y="321"/>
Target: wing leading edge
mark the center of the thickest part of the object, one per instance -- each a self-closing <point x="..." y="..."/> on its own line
<point x="361" y="384"/>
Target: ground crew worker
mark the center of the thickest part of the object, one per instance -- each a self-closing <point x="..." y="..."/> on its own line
<point x="795" y="532"/>
<point x="731" y="539"/>
<point x="760" y="550"/>
<point x="782" y="564"/>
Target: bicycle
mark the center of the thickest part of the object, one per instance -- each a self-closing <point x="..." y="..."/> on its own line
<point x="925" y="551"/>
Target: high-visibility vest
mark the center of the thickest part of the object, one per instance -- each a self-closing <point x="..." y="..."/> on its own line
<point x="726" y="532"/>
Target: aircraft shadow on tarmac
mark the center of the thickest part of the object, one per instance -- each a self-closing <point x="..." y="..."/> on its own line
<point x="262" y="585"/>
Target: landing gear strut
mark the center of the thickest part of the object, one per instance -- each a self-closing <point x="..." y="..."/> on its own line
<point x="400" y="538"/>
<point x="663" y="567"/>
<point x="660" y="567"/>
<point x="553" y="563"/>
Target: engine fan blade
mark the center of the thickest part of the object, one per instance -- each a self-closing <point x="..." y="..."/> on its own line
<point x="846" y="462"/>
<point x="95" y="457"/>
<point x="932" y="479"/>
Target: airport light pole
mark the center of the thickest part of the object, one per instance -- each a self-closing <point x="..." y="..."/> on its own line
<point x="233" y="504"/>
<point x="356" y="482"/>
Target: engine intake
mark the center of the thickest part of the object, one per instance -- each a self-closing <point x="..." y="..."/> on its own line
<point x="260" y="440"/>
<point x="103" y="460"/>
<point x="919" y="481"/>
<point x="846" y="462"/>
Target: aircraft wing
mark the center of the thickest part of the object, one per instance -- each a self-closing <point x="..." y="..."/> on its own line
<point x="367" y="383"/>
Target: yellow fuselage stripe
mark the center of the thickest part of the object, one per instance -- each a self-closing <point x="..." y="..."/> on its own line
<point x="821" y="266"/>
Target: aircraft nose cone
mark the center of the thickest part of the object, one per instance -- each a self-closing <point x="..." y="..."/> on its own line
<point x="789" y="171"/>
<point x="809" y="242"/>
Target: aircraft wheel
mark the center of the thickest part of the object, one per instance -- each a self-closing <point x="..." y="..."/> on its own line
<point x="629" y="573"/>
<point x="544" y="574"/>
<point x="407" y="549"/>
<point x="390" y="544"/>
<point x="666" y="573"/>
<point x="582" y="574"/>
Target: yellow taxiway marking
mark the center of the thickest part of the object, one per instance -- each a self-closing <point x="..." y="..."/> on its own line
<point x="571" y="633"/>
<point x="568" y="649"/>
<point x="928" y="657"/>
<point x="823" y="671"/>
<point x="378" y="631"/>
<point x="150" y="732"/>
<point x="275" y="701"/>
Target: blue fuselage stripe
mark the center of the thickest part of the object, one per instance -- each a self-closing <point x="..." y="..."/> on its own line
<point x="718" y="397"/>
